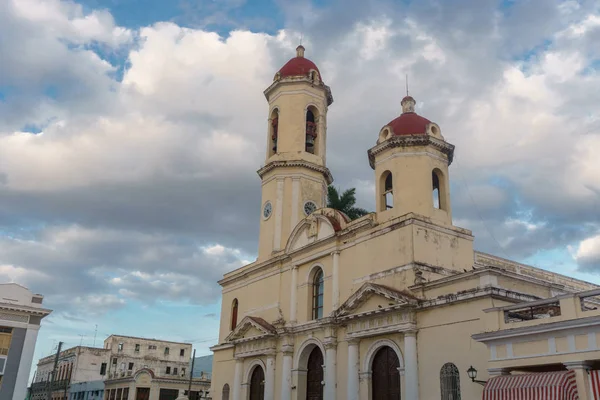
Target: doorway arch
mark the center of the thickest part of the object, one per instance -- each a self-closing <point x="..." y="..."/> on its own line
<point x="257" y="384"/>
<point x="314" y="375"/>
<point x="310" y="347"/>
<point x="385" y="375"/>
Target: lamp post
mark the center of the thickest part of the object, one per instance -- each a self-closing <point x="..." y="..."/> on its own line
<point x="472" y="372"/>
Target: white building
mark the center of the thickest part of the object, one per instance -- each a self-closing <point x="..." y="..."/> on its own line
<point x="82" y="371"/>
<point x="164" y="358"/>
<point x="80" y="374"/>
<point x="21" y="313"/>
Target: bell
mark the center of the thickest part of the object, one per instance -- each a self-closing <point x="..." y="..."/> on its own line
<point x="275" y="144"/>
<point x="310" y="141"/>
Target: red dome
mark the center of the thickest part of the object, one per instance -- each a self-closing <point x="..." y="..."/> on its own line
<point x="298" y="66"/>
<point x="409" y="123"/>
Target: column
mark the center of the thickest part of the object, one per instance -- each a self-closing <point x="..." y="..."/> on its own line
<point x="411" y="368"/>
<point x="20" y="388"/>
<point x="278" y="215"/>
<point x="330" y="370"/>
<point x="352" y="379"/>
<point x="286" y="373"/>
<point x="237" y="379"/>
<point x="582" y="377"/>
<point x="335" y="292"/>
<point x="293" y="291"/>
<point x="270" y="378"/>
<point x="296" y="203"/>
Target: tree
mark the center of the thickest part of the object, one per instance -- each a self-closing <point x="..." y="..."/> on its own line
<point x="345" y="202"/>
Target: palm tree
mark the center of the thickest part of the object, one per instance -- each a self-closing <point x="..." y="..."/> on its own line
<point x="345" y="202"/>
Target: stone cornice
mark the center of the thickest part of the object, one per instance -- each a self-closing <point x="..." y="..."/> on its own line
<point x="25" y="309"/>
<point x="484" y="259"/>
<point x="409" y="141"/>
<point x="294" y="164"/>
<point x="481" y="271"/>
<point x="299" y="79"/>
<point x="224" y="346"/>
<point x="476" y="293"/>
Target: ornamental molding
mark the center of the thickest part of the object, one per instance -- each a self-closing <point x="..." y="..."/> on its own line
<point x="396" y="298"/>
<point x="25" y="309"/>
<point x="256" y="348"/>
<point x="238" y="334"/>
<point x="381" y="324"/>
<point x="295" y="164"/>
<point x="411" y="141"/>
<point x="299" y="79"/>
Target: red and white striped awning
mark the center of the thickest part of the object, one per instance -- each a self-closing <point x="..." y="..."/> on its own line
<point x="559" y="385"/>
<point x="595" y="383"/>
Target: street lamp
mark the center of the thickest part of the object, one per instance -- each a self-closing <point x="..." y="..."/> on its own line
<point x="472" y="372"/>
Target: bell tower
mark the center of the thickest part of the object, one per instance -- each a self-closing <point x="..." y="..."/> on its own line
<point x="295" y="175"/>
<point x="411" y="161"/>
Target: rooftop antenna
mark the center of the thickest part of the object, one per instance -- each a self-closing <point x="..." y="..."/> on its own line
<point x="81" y="341"/>
<point x="95" y="333"/>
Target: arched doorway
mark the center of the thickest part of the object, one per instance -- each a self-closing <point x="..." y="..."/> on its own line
<point x="257" y="384"/>
<point x="314" y="375"/>
<point x="386" y="377"/>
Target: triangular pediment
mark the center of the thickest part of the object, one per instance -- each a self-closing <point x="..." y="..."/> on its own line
<point x="251" y="328"/>
<point x="373" y="298"/>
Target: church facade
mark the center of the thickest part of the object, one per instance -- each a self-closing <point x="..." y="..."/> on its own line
<point x="377" y="308"/>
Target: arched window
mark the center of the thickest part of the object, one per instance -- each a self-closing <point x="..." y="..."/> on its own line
<point x="311" y="131"/>
<point x="225" y="395"/>
<point x="274" y="122"/>
<point x="234" y="313"/>
<point x="317" y="295"/>
<point x="387" y="185"/>
<point x="435" y="180"/>
<point x="438" y="189"/>
<point x="450" y="382"/>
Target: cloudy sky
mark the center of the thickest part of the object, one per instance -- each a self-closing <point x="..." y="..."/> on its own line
<point x="131" y="130"/>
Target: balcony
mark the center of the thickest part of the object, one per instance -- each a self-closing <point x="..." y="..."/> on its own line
<point x="556" y="309"/>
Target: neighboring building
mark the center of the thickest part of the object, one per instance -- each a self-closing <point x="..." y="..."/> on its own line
<point x="379" y="308"/>
<point x="82" y="371"/>
<point x="144" y="384"/>
<point x="79" y="374"/>
<point x="164" y="358"/>
<point x="21" y="313"/>
<point x="558" y="336"/>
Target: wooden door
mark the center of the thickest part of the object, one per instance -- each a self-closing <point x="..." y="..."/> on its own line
<point x="142" y="394"/>
<point x="386" y="377"/>
<point x="314" y="376"/>
<point x="257" y="384"/>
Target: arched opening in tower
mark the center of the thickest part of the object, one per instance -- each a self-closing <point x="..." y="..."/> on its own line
<point x="311" y="132"/>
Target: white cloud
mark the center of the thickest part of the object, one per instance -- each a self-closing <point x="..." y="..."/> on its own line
<point x="587" y="254"/>
<point x="133" y="182"/>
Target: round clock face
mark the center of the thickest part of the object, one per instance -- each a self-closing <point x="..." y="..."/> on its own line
<point x="267" y="210"/>
<point x="309" y="207"/>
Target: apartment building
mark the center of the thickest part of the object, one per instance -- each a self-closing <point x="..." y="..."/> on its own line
<point x="129" y="354"/>
<point x="80" y="374"/>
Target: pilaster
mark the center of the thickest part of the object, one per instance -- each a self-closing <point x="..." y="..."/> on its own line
<point x="411" y="366"/>
<point x="352" y="380"/>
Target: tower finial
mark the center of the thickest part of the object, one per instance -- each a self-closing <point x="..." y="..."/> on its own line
<point x="300" y="51"/>
<point x="406" y="84"/>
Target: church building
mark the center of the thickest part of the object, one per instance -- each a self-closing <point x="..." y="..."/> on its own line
<point x="378" y="308"/>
